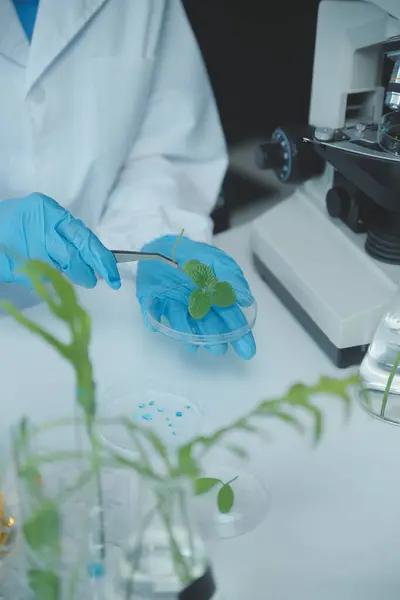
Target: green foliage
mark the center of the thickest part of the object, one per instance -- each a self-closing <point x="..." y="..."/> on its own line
<point x="43" y="529"/>
<point x="205" y="484"/>
<point x="45" y="584"/>
<point x="210" y="291"/>
<point x="63" y="304"/>
<point x="223" y="294"/>
<point x="225" y="498"/>
<point x="199" y="303"/>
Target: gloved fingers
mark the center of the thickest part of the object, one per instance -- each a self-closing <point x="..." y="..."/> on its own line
<point x="234" y="319"/>
<point x="179" y="319"/>
<point x="10" y="274"/>
<point x="67" y="258"/>
<point x="77" y="270"/>
<point x="245" y="347"/>
<point x="212" y="324"/>
<point x="91" y="250"/>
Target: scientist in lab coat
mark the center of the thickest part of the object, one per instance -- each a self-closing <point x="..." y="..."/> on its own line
<point x="109" y="131"/>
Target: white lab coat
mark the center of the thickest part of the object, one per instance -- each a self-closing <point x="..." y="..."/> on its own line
<point x="110" y="112"/>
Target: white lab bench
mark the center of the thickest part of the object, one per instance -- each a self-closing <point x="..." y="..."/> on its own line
<point x="332" y="530"/>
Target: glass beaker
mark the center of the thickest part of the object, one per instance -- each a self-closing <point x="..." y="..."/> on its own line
<point x="165" y="557"/>
<point x="380" y="370"/>
<point x="61" y="511"/>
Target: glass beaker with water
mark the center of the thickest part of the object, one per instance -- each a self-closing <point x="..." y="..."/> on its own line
<point x="380" y="369"/>
<point x="164" y="558"/>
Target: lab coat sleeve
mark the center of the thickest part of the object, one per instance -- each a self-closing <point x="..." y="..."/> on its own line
<point x="174" y="173"/>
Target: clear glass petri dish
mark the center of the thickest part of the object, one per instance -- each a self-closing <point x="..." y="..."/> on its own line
<point x="250" y="507"/>
<point x="192" y="331"/>
<point x="389" y="133"/>
<point x="168" y="412"/>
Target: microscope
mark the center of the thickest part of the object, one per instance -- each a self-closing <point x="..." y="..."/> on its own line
<point x="331" y="250"/>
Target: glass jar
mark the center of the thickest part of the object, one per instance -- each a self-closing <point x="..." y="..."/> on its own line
<point x="61" y="513"/>
<point x="380" y="369"/>
<point x="165" y="557"/>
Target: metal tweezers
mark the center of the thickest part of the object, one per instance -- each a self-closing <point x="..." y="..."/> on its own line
<point x="125" y="256"/>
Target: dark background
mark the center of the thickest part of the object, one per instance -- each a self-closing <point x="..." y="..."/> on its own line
<point x="259" y="55"/>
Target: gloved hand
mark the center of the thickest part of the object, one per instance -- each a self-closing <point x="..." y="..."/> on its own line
<point x="36" y="227"/>
<point x="153" y="275"/>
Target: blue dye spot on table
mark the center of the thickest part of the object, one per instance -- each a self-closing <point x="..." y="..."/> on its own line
<point x="169" y="424"/>
<point x="187" y="406"/>
<point x="147" y="417"/>
<point x="174" y="433"/>
<point x="141" y="405"/>
<point x="151" y="403"/>
<point x="160" y="410"/>
<point x="179" y="413"/>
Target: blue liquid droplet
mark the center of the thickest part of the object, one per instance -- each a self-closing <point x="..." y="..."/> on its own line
<point x="167" y="418"/>
<point x="169" y="424"/>
<point x="151" y="403"/>
<point x="95" y="570"/>
<point x="187" y="406"/>
<point x="159" y="409"/>
<point x="147" y="417"/>
<point x="178" y="413"/>
<point x="174" y="433"/>
<point x="141" y="405"/>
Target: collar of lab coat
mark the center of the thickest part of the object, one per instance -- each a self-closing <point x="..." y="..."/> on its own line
<point x="58" y="22"/>
<point x="13" y="42"/>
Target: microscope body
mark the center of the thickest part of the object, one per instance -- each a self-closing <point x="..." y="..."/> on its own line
<point x="331" y="250"/>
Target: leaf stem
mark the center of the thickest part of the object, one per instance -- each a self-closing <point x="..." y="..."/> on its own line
<point x="178" y="239"/>
<point x="389" y="384"/>
<point x="231" y="481"/>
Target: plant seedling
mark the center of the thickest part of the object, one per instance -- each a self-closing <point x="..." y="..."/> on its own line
<point x="210" y="291"/>
<point x="226" y="495"/>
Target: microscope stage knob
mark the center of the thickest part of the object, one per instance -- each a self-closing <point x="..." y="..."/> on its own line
<point x="289" y="156"/>
<point x="338" y="202"/>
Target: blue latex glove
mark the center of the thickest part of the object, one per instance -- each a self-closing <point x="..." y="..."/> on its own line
<point x="37" y="227"/>
<point x="153" y="275"/>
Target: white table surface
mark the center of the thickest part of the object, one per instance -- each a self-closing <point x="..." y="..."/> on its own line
<point x="332" y="529"/>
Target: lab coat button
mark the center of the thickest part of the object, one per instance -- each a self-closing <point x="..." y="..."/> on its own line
<point x="39" y="95"/>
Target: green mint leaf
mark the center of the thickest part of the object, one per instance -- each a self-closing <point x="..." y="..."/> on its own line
<point x="199" y="304"/>
<point x="43" y="529"/>
<point x="191" y="267"/>
<point x="205" y="484"/>
<point x="225" y="498"/>
<point x="223" y="295"/>
<point x="203" y="275"/>
<point x="46" y="585"/>
<point x="211" y="285"/>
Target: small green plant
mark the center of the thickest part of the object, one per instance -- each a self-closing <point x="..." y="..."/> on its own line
<point x="210" y="291"/>
<point x="226" y="495"/>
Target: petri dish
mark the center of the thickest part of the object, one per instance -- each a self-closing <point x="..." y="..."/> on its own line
<point x="250" y="507"/>
<point x="193" y="332"/>
<point x="389" y="133"/>
<point x="169" y="413"/>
